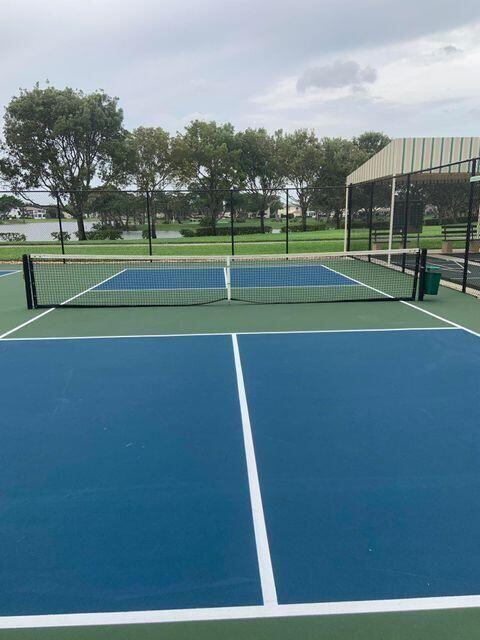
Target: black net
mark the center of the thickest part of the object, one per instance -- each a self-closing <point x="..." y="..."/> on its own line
<point x="80" y="281"/>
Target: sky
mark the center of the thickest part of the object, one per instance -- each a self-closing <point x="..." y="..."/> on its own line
<point x="339" y="67"/>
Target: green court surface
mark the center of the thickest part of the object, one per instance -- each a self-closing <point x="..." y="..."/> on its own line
<point x="450" y="308"/>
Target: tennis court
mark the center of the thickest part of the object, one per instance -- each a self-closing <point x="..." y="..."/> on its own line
<point x="227" y="465"/>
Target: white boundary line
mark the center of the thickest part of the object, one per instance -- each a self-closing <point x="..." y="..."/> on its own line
<point x="44" y="313"/>
<point x="240" y="613"/>
<point x="434" y="315"/>
<point x="238" y="333"/>
<point x="10" y="273"/>
<point x="267" y="579"/>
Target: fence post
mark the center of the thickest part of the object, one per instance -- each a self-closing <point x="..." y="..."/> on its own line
<point x="370" y="216"/>
<point x="469" y="228"/>
<point x="405" y="219"/>
<point x="287" y="224"/>
<point x="232" y="229"/>
<point x="348" y="222"/>
<point x="60" y="226"/>
<point x="149" y="224"/>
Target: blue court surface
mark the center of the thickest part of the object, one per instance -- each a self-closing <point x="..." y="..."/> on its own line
<point x="7" y="272"/>
<point x="215" y="278"/>
<point x="220" y="471"/>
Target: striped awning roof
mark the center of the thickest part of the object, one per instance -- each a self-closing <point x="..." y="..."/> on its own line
<point x="406" y="155"/>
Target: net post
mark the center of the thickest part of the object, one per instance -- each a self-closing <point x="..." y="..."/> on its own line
<point x="421" y="274"/>
<point x="469" y="229"/>
<point x="149" y="224"/>
<point x="27" y="277"/>
<point x="287" y="191"/>
<point x="232" y="230"/>
<point x="60" y="226"/>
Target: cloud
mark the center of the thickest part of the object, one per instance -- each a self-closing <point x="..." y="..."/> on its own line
<point x="449" y="50"/>
<point x="341" y="73"/>
<point x="168" y="60"/>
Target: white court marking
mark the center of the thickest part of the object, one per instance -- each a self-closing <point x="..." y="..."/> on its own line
<point x="9" y="273"/>
<point x="238" y="333"/>
<point x="240" y="613"/>
<point x="267" y="579"/>
<point x="44" y="313"/>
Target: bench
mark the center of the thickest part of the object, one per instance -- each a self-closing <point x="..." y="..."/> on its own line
<point x="458" y="231"/>
<point x="380" y="236"/>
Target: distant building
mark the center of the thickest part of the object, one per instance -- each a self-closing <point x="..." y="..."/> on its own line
<point x="36" y="213"/>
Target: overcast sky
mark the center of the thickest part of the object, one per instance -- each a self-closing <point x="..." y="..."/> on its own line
<point x="341" y="67"/>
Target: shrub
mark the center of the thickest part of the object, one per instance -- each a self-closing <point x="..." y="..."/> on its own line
<point x="103" y="234"/>
<point x="317" y="226"/>
<point x="222" y="231"/>
<point x="13" y="237"/>
<point x="56" y="235"/>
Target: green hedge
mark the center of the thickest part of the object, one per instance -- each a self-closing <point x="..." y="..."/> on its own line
<point x="317" y="226"/>
<point x="222" y="231"/>
<point x="103" y="234"/>
<point x="13" y="237"/>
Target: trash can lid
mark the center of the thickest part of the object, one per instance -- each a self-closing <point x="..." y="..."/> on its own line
<point x="432" y="267"/>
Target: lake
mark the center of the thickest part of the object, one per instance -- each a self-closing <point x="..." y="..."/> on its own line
<point x="43" y="230"/>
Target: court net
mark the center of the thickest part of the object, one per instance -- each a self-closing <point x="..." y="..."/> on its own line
<point x="109" y="281"/>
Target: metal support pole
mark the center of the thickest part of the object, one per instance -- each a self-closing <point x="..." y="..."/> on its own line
<point x="370" y="216"/>
<point x="149" y="224"/>
<point x="471" y="198"/>
<point x="287" y="225"/>
<point x="392" y="214"/>
<point x="232" y="229"/>
<point x="345" y="235"/>
<point x="348" y="221"/>
<point x="405" y="218"/>
<point x="59" y="216"/>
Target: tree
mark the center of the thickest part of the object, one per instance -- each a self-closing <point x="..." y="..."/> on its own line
<point x="114" y="208"/>
<point x="262" y="164"/>
<point x="150" y="150"/>
<point x="304" y="159"/>
<point x="7" y="203"/>
<point x="448" y="196"/>
<point x="207" y="159"/>
<point x="341" y="157"/>
<point x="371" y="142"/>
<point x="61" y="140"/>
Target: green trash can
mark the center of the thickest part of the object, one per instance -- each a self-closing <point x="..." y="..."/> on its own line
<point x="432" y="279"/>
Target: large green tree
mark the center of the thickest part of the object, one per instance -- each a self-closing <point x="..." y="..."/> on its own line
<point x="7" y="204"/>
<point x="206" y="156"/>
<point x="371" y="142"/>
<point x="340" y="158"/>
<point x="62" y="140"/>
<point x="151" y="162"/>
<point x="304" y="159"/>
<point x="262" y="166"/>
